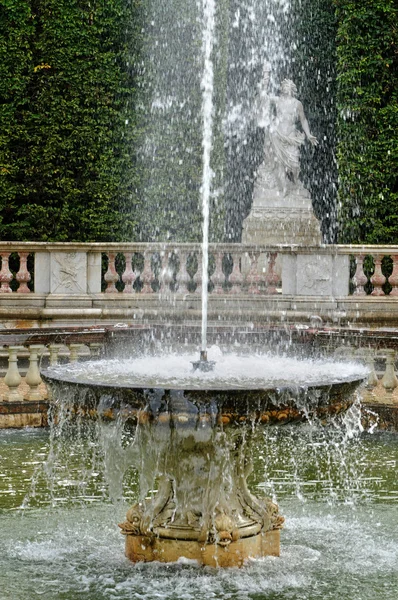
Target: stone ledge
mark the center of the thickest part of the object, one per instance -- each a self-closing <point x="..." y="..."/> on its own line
<point x="23" y="414"/>
<point x="386" y="419"/>
<point x="106" y="309"/>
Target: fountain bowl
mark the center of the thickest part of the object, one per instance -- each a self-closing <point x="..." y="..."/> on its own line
<point x="271" y="389"/>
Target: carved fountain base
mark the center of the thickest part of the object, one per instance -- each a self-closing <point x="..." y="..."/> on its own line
<point x="202" y="508"/>
<point x="147" y="549"/>
<point x="192" y="451"/>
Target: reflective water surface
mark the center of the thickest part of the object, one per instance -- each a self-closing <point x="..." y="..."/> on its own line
<point x="339" y="495"/>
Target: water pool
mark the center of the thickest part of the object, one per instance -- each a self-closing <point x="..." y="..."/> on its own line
<point x="340" y="541"/>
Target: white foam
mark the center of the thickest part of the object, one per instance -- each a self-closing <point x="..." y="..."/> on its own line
<point x="231" y="370"/>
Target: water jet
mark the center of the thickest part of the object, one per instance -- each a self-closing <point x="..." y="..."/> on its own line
<point x="203" y="364"/>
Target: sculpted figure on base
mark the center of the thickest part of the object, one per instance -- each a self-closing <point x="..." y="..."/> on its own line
<point x="279" y="115"/>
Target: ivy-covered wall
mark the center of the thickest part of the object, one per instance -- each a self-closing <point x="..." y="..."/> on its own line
<point x="368" y="120"/>
<point x="66" y="93"/>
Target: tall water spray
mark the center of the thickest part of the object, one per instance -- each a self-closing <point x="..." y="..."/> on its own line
<point x="207" y="110"/>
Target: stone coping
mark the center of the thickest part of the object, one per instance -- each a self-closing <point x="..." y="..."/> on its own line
<point x="355" y="249"/>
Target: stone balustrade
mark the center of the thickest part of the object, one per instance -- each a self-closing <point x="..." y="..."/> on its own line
<point x="75" y="268"/>
<point x="380" y="395"/>
<point x="48" y="281"/>
<point x="381" y="364"/>
<point x="375" y="271"/>
<point x="23" y="395"/>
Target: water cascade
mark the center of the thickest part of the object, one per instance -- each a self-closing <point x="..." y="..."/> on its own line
<point x="193" y="433"/>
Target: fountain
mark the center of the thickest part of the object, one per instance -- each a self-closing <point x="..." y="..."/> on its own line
<point x="202" y="456"/>
<point x="194" y="428"/>
<point x="193" y="431"/>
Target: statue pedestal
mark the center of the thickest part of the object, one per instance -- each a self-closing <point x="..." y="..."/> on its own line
<point x="281" y="219"/>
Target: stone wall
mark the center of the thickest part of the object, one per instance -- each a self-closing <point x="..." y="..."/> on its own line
<point x="44" y="285"/>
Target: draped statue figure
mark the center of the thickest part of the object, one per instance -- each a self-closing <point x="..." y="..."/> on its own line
<point x="279" y="116"/>
<point x="282" y="211"/>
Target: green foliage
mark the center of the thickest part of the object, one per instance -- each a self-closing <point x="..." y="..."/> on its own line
<point x="78" y="138"/>
<point x="67" y="121"/>
<point x="16" y="31"/>
<point x="368" y="120"/>
<point x="313" y="69"/>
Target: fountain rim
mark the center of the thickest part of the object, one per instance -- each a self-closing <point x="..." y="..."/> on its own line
<point x="207" y="386"/>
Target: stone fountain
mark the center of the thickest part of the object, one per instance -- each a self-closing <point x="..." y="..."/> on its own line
<point x="194" y="432"/>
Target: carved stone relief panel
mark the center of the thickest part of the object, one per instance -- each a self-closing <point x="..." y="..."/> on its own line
<point x="69" y="273"/>
<point x="314" y="275"/>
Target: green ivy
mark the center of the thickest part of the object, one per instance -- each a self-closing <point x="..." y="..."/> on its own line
<point x="67" y="119"/>
<point x="368" y="120"/>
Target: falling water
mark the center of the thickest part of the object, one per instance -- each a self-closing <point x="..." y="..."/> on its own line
<point x="65" y="541"/>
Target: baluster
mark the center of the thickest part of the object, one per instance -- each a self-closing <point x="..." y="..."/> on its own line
<point x="253" y="278"/>
<point x="393" y="279"/>
<point x="218" y="275"/>
<point x="389" y="380"/>
<point x="198" y="275"/>
<point x="13" y="377"/>
<point x="360" y="279"/>
<point x="54" y="352"/>
<point x="366" y="354"/>
<point x="23" y="275"/>
<point x="128" y="276"/>
<point x="372" y="377"/>
<point x="146" y="275"/>
<point x="236" y="277"/>
<point x="271" y="277"/>
<point x="166" y="275"/>
<point x="74" y="352"/>
<point x="32" y="377"/>
<point x="5" y="273"/>
<point x="183" y="275"/>
<point x="111" y="276"/>
<point x="95" y="349"/>
<point x="378" y="279"/>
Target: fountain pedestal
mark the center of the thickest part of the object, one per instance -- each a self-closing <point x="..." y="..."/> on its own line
<point x="202" y="510"/>
<point x="148" y="549"/>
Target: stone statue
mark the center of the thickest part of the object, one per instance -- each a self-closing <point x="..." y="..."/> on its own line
<point x="282" y="211"/>
<point x="279" y="116"/>
<point x="285" y="138"/>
